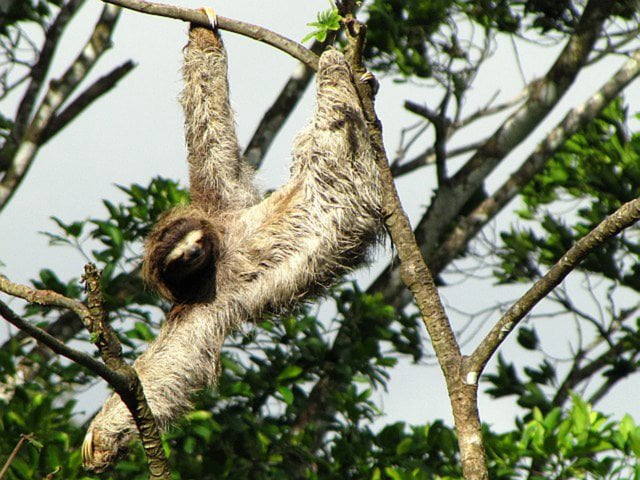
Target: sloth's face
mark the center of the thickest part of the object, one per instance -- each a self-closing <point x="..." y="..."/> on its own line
<point x="189" y="254"/>
<point x="186" y="260"/>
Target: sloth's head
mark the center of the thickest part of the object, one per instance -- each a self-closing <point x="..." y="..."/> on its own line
<point x="181" y="257"/>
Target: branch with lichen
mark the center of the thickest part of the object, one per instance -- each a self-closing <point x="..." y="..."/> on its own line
<point x="119" y="374"/>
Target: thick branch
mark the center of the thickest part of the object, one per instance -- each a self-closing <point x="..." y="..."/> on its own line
<point x="130" y="389"/>
<point x="624" y="217"/>
<point x="417" y="277"/>
<point x="236" y="26"/>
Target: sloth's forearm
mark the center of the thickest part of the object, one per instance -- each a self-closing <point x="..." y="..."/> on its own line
<point x="182" y="360"/>
<point x="216" y="171"/>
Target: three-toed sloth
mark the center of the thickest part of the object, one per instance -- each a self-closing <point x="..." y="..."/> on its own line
<point x="230" y="257"/>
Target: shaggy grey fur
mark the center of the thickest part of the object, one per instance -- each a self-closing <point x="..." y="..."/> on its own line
<point x="270" y="253"/>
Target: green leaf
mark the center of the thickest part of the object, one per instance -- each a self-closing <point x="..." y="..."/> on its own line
<point x="287" y="394"/>
<point x="393" y="473"/>
<point x="626" y="426"/>
<point x="328" y="20"/>
<point x="290" y="372"/>
<point x="528" y="338"/>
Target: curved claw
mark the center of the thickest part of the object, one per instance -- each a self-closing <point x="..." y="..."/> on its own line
<point x="87" y="448"/>
<point x="368" y="77"/>
<point x="211" y="15"/>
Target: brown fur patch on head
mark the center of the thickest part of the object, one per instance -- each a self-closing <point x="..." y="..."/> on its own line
<point x="180" y="258"/>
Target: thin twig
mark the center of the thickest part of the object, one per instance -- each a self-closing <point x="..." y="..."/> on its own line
<point x="429" y="157"/>
<point x="14" y="453"/>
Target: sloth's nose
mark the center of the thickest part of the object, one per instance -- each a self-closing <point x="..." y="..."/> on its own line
<point x="193" y="251"/>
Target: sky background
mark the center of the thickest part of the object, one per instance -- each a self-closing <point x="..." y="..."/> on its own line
<point x="135" y="133"/>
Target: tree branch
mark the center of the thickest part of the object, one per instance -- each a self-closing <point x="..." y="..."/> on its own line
<point x="120" y="375"/>
<point x="130" y="388"/>
<point x="236" y="26"/>
<point x="39" y="70"/>
<point x="429" y="156"/>
<point x="281" y="108"/>
<point x="42" y="297"/>
<point x="544" y="95"/>
<point x="101" y="86"/>
<point x="54" y="344"/>
<point x="58" y="92"/>
<point x="417" y="277"/>
<point x="622" y="218"/>
<point x="14" y="453"/>
<point x="577" y="118"/>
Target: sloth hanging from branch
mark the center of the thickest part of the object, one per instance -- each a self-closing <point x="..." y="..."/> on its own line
<point x="230" y="257"/>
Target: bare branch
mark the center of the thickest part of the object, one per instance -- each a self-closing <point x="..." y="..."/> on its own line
<point x="282" y="107"/>
<point x="489" y="110"/>
<point x="442" y="126"/>
<point x="236" y="26"/>
<point x="39" y="71"/>
<point x="14" y="454"/>
<point x="624" y="217"/>
<point x="65" y="327"/>
<point x="544" y="95"/>
<point x="58" y="92"/>
<point x="101" y="86"/>
<point x="429" y="157"/>
<point x="42" y="297"/>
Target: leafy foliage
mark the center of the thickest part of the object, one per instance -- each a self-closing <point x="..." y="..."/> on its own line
<point x="326" y="22"/>
<point x="596" y="171"/>
<point x="25" y="11"/>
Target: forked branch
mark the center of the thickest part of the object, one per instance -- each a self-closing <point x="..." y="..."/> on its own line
<point x="120" y="375"/>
